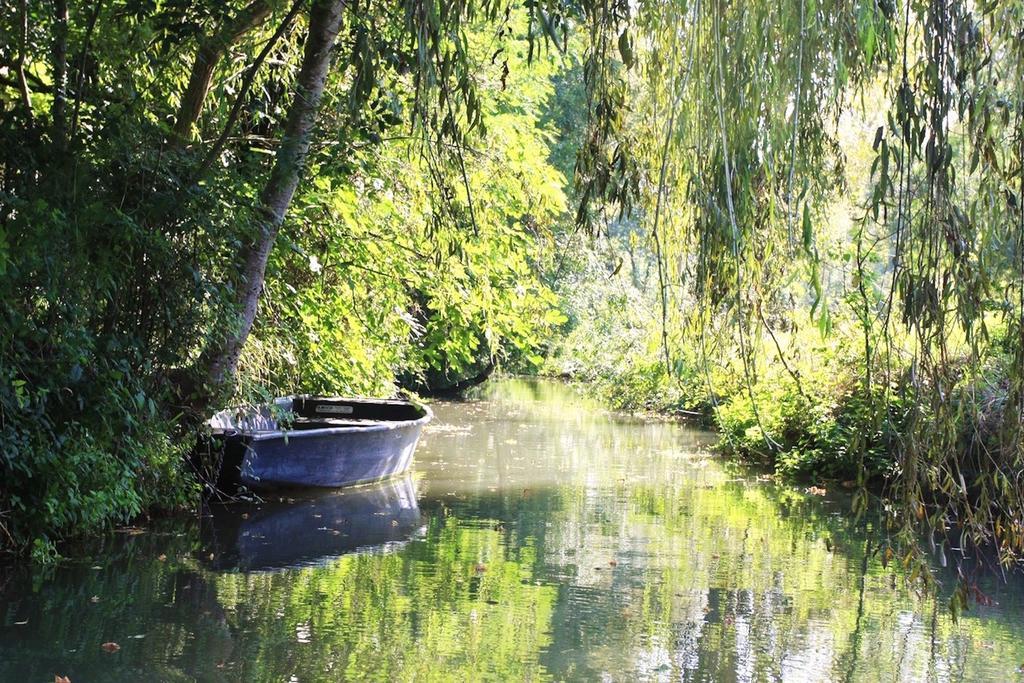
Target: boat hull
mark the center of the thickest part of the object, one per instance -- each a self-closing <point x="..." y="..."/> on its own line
<point x="322" y="442"/>
<point x="328" y="460"/>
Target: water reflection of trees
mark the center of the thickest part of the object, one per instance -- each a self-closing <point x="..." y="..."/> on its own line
<point x="569" y="549"/>
<point x="720" y="580"/>
<point x="667" y="568"/>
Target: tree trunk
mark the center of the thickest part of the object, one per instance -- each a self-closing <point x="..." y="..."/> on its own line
<point x="26" y="98"/>
<point x="324" y="23"/>
<point x="210" y="52"/>
<point x="247" y="81"/>
<point x="60" y="73"/>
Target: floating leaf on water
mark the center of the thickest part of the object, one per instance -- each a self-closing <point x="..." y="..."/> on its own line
<point x="110" y="647"/>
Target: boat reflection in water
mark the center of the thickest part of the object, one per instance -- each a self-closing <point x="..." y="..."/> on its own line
<point x="310" y="529"/>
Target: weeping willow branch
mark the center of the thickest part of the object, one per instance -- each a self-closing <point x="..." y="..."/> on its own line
<point x="666" y="145"/>
<point x="791" y="203"/>
<point x="769" y="443"/>
<point x="782" y="356"/>
<point x="938" y="250"/>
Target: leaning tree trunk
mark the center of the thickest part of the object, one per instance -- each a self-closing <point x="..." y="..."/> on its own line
<point x="324" y="23"/>
<point x="211" y="50"/>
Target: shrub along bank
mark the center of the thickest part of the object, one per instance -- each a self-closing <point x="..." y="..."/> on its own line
<point x="804" y="405"/>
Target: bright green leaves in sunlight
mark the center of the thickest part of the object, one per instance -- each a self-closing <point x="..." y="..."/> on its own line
<point x="801" y="219"/>
<point x="403" y="284"/>
<point x="824" y="250"/>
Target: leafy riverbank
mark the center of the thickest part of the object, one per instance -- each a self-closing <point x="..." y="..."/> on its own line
<point x="804" y="222"/>
<point x="130" y="235"/>
<point x="824" y="427"/>
<point x="803" y="404"/>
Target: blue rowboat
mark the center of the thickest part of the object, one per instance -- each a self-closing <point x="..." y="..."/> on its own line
<point x="311" y="529"/>
<point x="316" y="441"/>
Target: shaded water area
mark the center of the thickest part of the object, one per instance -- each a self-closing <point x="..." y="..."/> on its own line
<point x="538" y="538"/>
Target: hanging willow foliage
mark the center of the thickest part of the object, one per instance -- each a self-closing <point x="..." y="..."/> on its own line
<point x="719" y="121"/>
<point x="952" y="170"/>
<point x="738" y="107"/>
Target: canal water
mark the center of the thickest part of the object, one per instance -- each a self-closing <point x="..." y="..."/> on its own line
<point x="538" y="538"/>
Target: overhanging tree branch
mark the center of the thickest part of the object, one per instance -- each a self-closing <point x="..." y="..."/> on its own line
<point x="209" y="54"/>
<point x="250" y="76"/>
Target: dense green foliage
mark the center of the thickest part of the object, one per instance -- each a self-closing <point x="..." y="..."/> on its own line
<point x="820" y="203"/>
<point x="127" y="212"/>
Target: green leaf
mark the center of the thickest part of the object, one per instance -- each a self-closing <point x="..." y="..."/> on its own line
<point x="626" y="48"/>
<point x="808" y="232"/>
<point x="870" y="43"/>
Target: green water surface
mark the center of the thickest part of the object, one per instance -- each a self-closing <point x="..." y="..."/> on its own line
<point x="538" y="538"/>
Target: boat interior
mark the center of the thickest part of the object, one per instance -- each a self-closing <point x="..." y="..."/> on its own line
<point x="354" y="410"/>
<point x="314" y="412"/>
